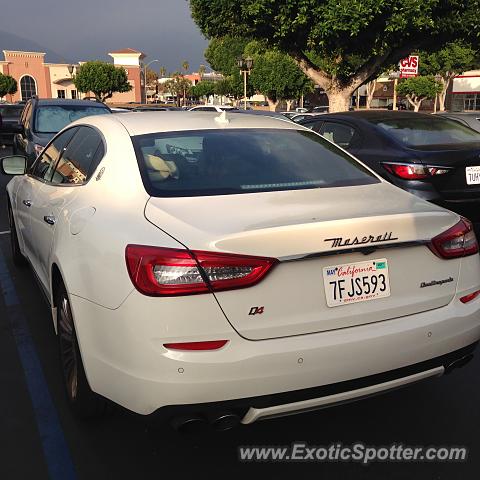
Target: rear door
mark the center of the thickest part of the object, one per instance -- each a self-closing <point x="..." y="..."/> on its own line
<point x="80" y="150"/>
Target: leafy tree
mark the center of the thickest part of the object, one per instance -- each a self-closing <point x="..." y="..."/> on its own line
<point x="178" y="86"/>
<point x="275" y="75"/>
<point x="418" y="89"/>
<point x="341" y="44"/>
<point x="223" y="53"/>
<point x="8" y="85"/>
<point x="202" y="89"/>
<point x="452" y="60"/>
<point x="102" y="79"/>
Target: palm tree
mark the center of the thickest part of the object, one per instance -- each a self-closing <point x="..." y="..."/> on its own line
<point x="201" y="70"/>
<point x="185" y="66"/>
<point x="162" y="71"/>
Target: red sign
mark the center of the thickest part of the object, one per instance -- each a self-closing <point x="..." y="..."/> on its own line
<point x="409" y="67"/>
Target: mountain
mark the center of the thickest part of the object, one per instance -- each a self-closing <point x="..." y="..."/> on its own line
<point x="9" y="41"/>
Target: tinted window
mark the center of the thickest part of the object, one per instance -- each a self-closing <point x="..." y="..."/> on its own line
<point x="421" y="131"/>
<point x="214" y="162"/>
<point x="75" y="165"/>
<point x="338" y="133"/>
<point x="51" y="119"/>
<point x="205" y="109"/>
<point x="45" y="163"/>
<point x="10" y="111"/>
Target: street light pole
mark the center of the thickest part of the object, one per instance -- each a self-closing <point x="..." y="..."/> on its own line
<point x="245" y="69"/>
<point x="145" y="66"/>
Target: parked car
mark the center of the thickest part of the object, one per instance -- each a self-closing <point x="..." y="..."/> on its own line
<point x="212" y="108"/>
<point x="433" y="157"/>
<point x="120" y="110"/>
<point x="470" y="119"/>
<point x="157" y="109"/>
<point x="9" y="114"/>
<point x="211" y="269"/>
<point x="41" y="119"/>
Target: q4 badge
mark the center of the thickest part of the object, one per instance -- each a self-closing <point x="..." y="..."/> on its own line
<point x="256" y="310"/>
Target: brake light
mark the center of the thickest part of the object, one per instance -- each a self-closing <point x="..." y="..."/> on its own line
<point x="457" y="241"/>
<point x="196" y="346"/>
<point x="413" y="171"/>
<point x="157" y="271"/>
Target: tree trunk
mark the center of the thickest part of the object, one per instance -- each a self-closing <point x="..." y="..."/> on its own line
<point x="272" y="104"/>
<point x="443" y="95"/>
<point x="289" y="104"/>
<point x="339" y="100"/>
<point x="370" y="91"/>
<point x="415" y="101"/>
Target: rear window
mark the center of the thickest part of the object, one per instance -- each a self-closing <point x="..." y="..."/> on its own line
<point x="221" y="162"/>
<point x="10" y="111"/>
<point x="421" y="131"/>
<point x="53" y="118"/>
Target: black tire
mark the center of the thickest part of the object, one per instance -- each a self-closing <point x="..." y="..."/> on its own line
<point x="18" y="259"/>
<point x="85" y="403"/>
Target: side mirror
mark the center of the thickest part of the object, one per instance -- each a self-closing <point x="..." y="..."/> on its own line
<point x="14" y="165"/>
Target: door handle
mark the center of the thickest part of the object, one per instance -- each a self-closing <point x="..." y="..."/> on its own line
<point x="27" y="203"/>
<point x="50" y="219"/>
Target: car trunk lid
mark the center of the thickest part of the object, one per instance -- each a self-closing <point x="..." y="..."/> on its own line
<point x="309" y="236"/>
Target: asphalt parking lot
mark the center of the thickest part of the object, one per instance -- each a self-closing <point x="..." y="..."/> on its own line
<point x="41" y="439"/>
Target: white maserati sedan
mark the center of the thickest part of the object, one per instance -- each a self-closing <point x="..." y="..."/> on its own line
<point x="227" y="268"/>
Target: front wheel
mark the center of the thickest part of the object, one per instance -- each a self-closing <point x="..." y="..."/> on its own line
<point x="84" y="402"/>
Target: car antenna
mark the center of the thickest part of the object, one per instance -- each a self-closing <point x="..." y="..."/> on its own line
<point x="222" y="118"/>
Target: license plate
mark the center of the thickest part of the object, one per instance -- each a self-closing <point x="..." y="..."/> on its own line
<point x="473" y="175"/>
<point x="356" y="282"/>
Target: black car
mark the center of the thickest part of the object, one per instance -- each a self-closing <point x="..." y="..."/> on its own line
<point x="42" y="119"/>
<point x="430" y="156"/>
<point x="9" y="115"/>
<point x="471" y="119"/>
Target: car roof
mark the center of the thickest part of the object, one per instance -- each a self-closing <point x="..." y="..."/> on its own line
<point x="141" y="123"/>
<point x="375" y="115"/>
<point x="70" y="102"/>
<point x="460" y="114"/>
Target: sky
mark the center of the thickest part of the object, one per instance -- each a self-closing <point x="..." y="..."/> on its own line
<point x="88" y="29"/>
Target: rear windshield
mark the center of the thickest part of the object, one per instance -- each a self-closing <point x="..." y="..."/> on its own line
<point x="53" y="118"/>
<point x="421" y="131"/>
<point x="11" y="111"/>
<point x="220" y="162"/>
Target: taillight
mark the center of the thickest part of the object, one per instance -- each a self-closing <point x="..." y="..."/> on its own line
<point x="413" y="171"/>
<point x="458" y="241"/>
<point x="157" y="271"/>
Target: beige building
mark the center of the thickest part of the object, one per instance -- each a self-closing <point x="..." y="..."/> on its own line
<point x="55" y="80"/>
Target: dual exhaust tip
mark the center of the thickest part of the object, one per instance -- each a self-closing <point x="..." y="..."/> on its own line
<point x="219" y="421"/>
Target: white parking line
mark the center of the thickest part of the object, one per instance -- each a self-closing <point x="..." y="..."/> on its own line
<point x="6" y="232"/>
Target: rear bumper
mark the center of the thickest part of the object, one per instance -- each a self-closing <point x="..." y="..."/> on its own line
<point x="264" y="407"/>
<point x="126" y="362"/>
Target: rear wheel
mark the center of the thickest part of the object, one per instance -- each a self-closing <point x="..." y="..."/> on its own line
<point x="18" y="259"/>
<point x="83" y="401"/>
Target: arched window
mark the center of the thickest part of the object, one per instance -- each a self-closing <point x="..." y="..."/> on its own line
<point x="28" y="87"/>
